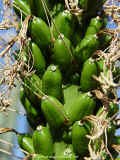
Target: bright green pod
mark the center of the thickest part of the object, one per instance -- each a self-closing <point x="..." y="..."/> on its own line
<point x="70" y="92"/>
<point x="35" y="86"/>
<point x="40" y="32"/>
<point x="87" y="83"/>
<point x="21" y="7"/>
<point x="52" y="82"/>
<point x="53" y="111"/>
<point x="39" y="63"/>
<point x="97" y="23"/>
<point x="79" y="139"/>
<point x="42" y="141"/>
<point x="59" y="148"/>
<point x="39" y="157"/>
<point x="34" y="116"/>
<point x="64" y="151"/>
<point x="25" y="142"/>
<point x="30" y="57"/>
<point x="86" y="48"/>
<point x="94" y="26"/>
<point x="79" y="107"/>
<point x="100" y="65"/>
<point x="63" y="24"/>
<point x="91" y="30"/>
<point x="37" y="8"/>
<point x="56" y="132"/>
<point x="31" y="111"/>
<point x="61" y="53"/>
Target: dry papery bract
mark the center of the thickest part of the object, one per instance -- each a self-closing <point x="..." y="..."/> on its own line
<point x="12" y="71"/>
<point x="116" y="148"/>
<point x="100" y="125"/>
<point x="113" y="10"/>
<point x="9" y="20"/>
<point x="72" y="7"/>
<point x="107" y="85"/>
<point x="96" y="155"/>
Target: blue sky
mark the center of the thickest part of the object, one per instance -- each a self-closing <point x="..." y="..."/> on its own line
<point x="21" y="122"/>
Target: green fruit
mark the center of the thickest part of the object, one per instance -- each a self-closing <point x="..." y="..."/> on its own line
<point x="91" y="30"/>
<point x="69" y="154"/>
<point x="35" y="87"/>
<point x="52" y="82"/>
<point x="31" y="111"/>
<point x="39" y="157"/>
<point x="59" y="148"/>
<point x="87" y="82"/>
<point x="97" y="23"/>
<point x="25" y="141"/>
<point x="100" y="65"/>
<point x="34" y="115"/>
<point x="79" y="107"/>
<point x="40" y="32"/>
<point x="21" y="7"/>
<point x="70" y="92"/>
<point x="79" y="139"/>
<point x="42" y="141"/>
<point x="86" y="48"/>
<point x="56" y="132"/>
<point x="94" y="26"/>
<point x="53" y="111"/>
<point x="35" y="83"/>
<point x="30" y="57"/>
<point x="64" y="151"/>
<point x="63" y="24"/>
<point x="61" y="53"/>
<point x="38" y="9"/>
<point x="39" y="64"/>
